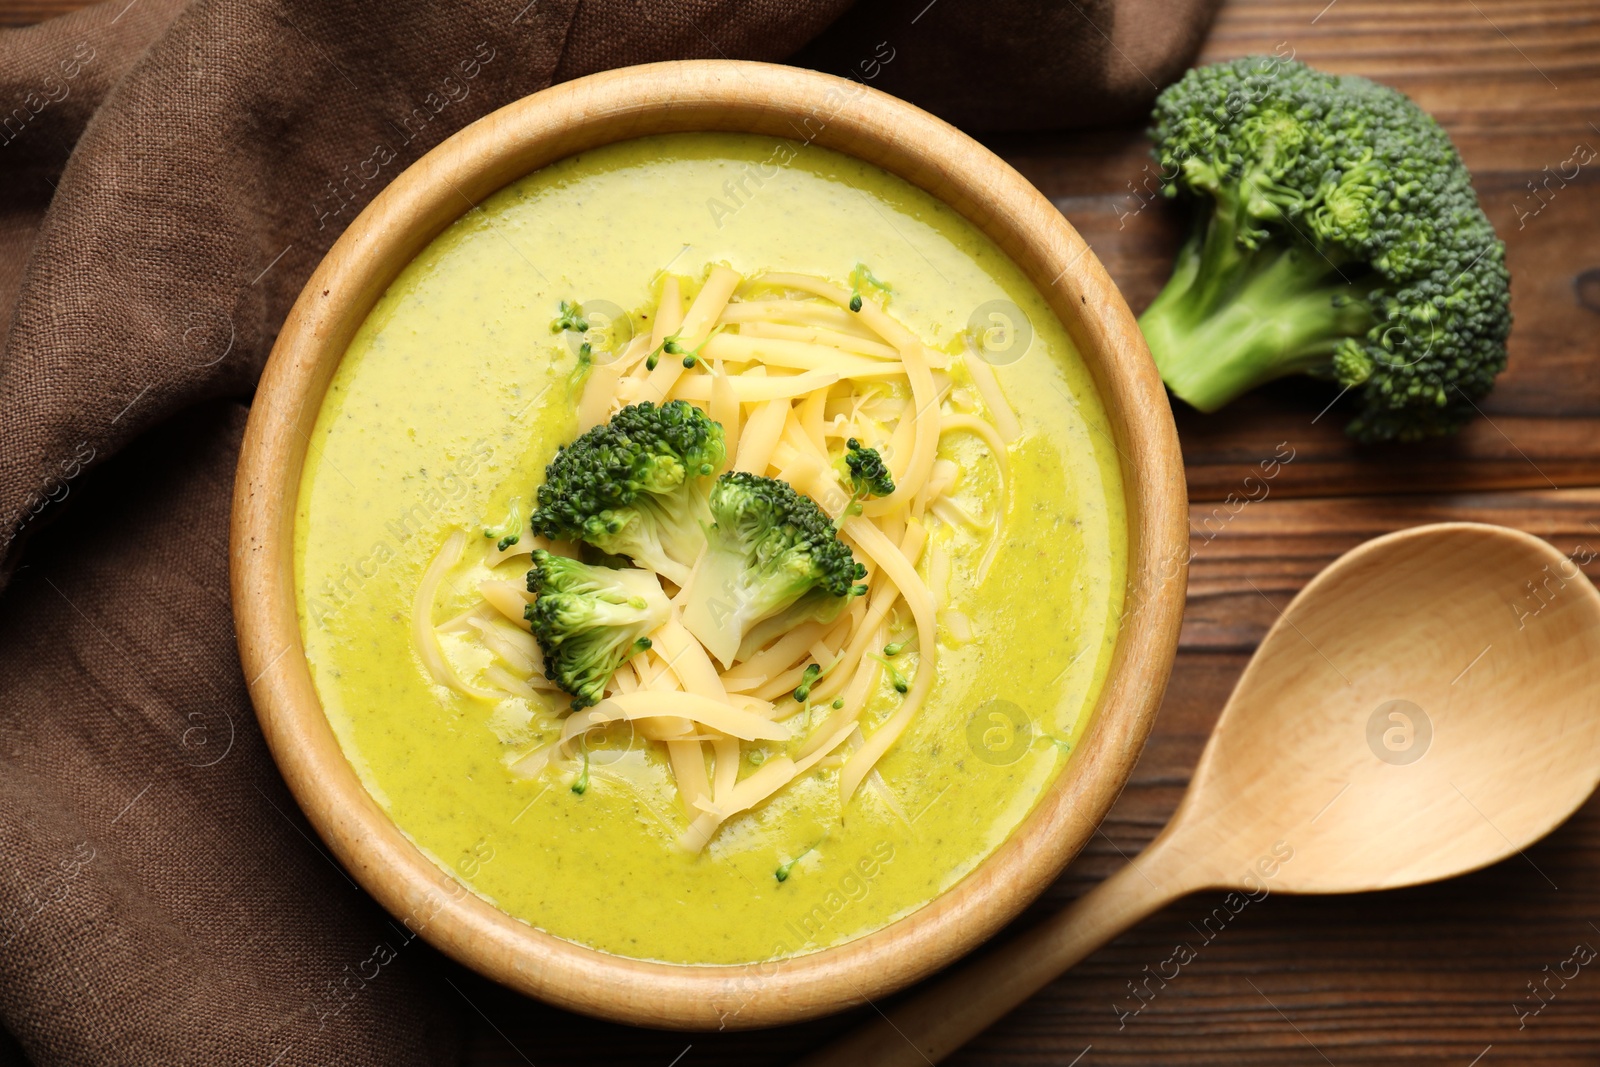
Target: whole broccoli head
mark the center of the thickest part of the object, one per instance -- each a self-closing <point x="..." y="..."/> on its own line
<point x="1336" y="234"/>
<point x="636" y="486"/>
<point x="771" y="551"/>
<point x="589" y="620"/>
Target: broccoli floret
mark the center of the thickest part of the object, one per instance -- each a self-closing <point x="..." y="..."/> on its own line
<point x="900" y="682"/>
<point x="868" y="475"/>
<point x="770" y="551"/>
<point x="808" y="678"/>
<point x="589" y="620"/>
<point x="1336" y="234"/>
<point x="862" y="278"/>
<point x="569" y="317"/>
<point x="582" y="367"/>
<point x="636" y="486"/>
<point x="509" y="532"/>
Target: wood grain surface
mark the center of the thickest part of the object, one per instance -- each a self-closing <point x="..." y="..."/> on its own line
<point x="1434" y="974"/>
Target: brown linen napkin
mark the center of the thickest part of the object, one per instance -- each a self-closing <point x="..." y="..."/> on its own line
<point x="172" y="172"/>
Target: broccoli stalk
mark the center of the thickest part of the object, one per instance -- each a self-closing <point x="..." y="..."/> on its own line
<point x="808" y="678"/>
<point x="899" y="681"/>
<point x="581" y="785"/>
<point x="590" y="620"/>
<point x="509" y="532"/>
<point x="637" y="487"/>
<point x="1232" y="318"/>
<point x="569" y="317"/>
<point x="861" y="278"/>
<point x="654" y="358"/>
<point x="1336" y="235"/>
<point x="784" y="869"/>
<point x="770" y="553"/>
<point x="867" y="475"/>
<point x="673" y="346"/>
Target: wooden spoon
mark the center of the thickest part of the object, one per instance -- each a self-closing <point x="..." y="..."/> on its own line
<point x="1428" y="705"/>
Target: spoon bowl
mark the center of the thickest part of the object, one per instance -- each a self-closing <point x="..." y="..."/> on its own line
<point x="1428" y="705"/>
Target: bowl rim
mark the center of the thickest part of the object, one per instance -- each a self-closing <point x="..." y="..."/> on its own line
<point x="452" y="179"/>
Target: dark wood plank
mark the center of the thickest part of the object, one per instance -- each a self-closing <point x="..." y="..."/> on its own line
<point x="1250" y="559"/>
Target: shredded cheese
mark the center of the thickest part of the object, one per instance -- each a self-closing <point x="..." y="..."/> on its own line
<point x="771" y="777"/>
<point x="774" y="659"/>
<point x="881" y="600"/>
<point x="669" y="312"/>
<point x="982" y="375"/>
<point x="725" y="751"/>
<point x="509" y="599"/>
<point x="719" y="716"/>
<point x="997" y="447"/>
<point x="697" y="323"/>
<point x="916" y="596"/>
<point x="797" y="355"/>
<point x="752" y="389"/>
<point x="519" y="656"/>
<point x="862" y="682"/>
<point x="465" y="620"/>
<point x="761" y="436"/>
<point x="818" y="335"/>
<point x="725" y="409"/>
<point x="788" y="379"/>
<point x="688" y="759"/>
<point x="423" y="634"/>
<point x="804" y="312"/>
<point x="688" y="660"/>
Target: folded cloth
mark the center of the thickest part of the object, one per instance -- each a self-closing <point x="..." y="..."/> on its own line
<point x="173" y="172"/>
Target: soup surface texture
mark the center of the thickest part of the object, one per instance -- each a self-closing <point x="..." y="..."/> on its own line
<point x="453" y="397"/>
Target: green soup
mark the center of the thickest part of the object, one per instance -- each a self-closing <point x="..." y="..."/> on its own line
<point x="451" y="400"/>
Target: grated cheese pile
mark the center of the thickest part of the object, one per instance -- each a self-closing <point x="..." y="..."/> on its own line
<point x="791" y="366"/>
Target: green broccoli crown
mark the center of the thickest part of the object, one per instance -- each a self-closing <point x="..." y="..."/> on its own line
<point x="769" y="547"/>
<point x="869" y="476"/>
<point x="1344" y="241"/>
<point x="636" y="486"/>
<point x="781" y="534"/>
<point x="589" y="620"/>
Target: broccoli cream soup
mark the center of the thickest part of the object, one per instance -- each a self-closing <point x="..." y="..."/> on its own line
<point x="709" y="549"/>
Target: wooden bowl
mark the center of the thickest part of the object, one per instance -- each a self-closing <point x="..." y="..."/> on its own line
<point x="430" y="195"/>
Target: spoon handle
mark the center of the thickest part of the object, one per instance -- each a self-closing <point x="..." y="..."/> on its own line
<point x="959" y="1004"/>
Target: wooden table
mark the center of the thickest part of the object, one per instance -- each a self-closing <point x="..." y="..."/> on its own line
<point x="1433" y="974"/>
